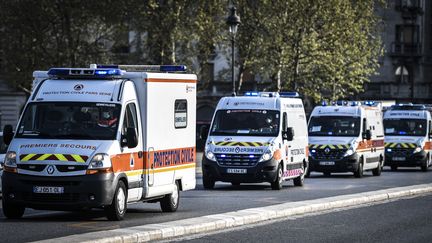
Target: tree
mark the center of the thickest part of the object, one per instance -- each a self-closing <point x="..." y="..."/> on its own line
<point x="318" y="47"/>
<point x="42" y="34"/>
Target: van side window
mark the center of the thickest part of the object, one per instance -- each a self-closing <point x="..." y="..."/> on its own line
<point x="180" y="114"/>
<point x="284" y="122"/>
<point x="130" y="118"/>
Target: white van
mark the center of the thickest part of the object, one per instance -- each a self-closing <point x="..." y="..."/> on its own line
<point x="259" y="137"/>
<point x="102" y="137"/>
<point x="408" y="133"/>
<point x="346" y="137"/>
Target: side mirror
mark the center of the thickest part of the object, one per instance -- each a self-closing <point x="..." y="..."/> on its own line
<point x="367" y="134"/>
<point x="7" y="134"/>
<point x="204" y="130"/>
<point x="288" y="134"/>
<point x="131" y="139"/>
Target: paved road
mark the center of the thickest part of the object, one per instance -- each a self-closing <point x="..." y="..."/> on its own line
<point x="407" y="220"/>
<point x="38" y="225"/>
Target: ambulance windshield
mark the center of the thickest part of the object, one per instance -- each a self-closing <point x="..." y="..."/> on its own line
<point x="405" y="127"/>
<point x="343" y="126"/>
<point x="70" y="120"/>
<point x="246" y="123"/>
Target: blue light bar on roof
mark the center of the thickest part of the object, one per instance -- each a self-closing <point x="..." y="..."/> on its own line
<point x="147" y="68"/>
<point x="251" y="93"/>
<point x="84" y="72"/>
<point x="289" y="94"/>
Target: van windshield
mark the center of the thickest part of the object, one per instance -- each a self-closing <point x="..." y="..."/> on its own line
<point x="405" y="127"/>
<point x="343" y="126"/>
<point x="70" y="120"/>
<point x="246" y="123"/>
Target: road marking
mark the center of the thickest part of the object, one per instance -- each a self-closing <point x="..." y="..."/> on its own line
<point x="216" y="222"/>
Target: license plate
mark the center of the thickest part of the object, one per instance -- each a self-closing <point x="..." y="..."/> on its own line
<point x="48" y="189"/>
<point x="237" y="171"/>
<point x="327" y="163"/>
<point x="398" y="158"/>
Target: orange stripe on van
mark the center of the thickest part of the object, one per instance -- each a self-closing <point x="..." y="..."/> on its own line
<point x="427" y="146"/>
<point x="371" y="144"/>
<point x="159" y="159"/>
<point x="162" y="80"/>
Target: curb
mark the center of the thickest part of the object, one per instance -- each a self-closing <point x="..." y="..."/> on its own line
<point x="215" y="222"/>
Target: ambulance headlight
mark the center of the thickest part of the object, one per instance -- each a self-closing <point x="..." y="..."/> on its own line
<point x="100" y="161"/>
<point x="210" y="155"/>
<point x="349" y="152"/>
<point x="418" y="150"/>
<point x="266" y="156"/>
<point x="10" y="159"/>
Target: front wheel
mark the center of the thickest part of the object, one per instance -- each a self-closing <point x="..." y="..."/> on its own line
<point x="12" y="211"/>
<point x="171" y="201"/>
<point x="117" y="210"/>
<point x="208" y="182"/>
<point x="377" y="170"/>
<point x="359" y="172"/>
<point x="277" y="184"/>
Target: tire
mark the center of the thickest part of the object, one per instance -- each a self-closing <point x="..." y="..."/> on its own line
<point x="12" y="211"/>
<point x="208" y="183"/>
<point x="359" y="172"/>
<point x="393" y="168"/>
<point x="299" y="181"/>
<point x="377" y="170"/>
<point x="235" y="183"/>
<point x="277" y="184"/>
<point x="117" y="210"/>
<point x="425" y="167"/>
<point x="170" y="202"/>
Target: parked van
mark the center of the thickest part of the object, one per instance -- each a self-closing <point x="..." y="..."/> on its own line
<point x="102" y="137"/>
<point x="408" y="132"/>
<point x="259" y="137"/>
<point x="346" y="137"/>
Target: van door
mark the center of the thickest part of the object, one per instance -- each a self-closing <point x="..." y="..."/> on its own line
<point x="133" y="163"/>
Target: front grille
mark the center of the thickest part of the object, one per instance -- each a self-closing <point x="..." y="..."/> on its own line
<point x="244" y="160"/>
<point x="37" y="168"/>
<point x="51" y="198"/>
<point x="69" y="168"/>
<point x="401" y="152"/>
<point x="333" y="154"/>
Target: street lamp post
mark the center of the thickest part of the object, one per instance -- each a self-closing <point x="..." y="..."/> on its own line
<point x="233" y="22"/>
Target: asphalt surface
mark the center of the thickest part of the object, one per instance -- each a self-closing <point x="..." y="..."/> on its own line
<point x="39" y="225"/>
<point x="406" y="220"/>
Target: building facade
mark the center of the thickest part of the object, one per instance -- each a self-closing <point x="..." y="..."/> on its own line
<point x="405" y="73"/>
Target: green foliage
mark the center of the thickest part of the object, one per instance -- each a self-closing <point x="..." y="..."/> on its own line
<point x="321" y="48"/>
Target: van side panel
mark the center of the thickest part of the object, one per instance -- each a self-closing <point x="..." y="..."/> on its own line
<point x="170" y="135"/>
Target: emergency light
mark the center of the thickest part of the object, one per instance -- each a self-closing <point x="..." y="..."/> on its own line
<point x="323" y="103"/>
<point x="251" y="93"/>
<point x="369" y="102"/>
<point x="145" y="68"/>
<point x="84" y="72"/>
<point x="289" y="94"/>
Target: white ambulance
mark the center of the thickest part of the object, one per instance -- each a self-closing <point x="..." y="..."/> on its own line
<point x="346" y="137"/>
<point x="259" y="137"/>
<point x="408" y="136"/>
<point x="102" y="137"/>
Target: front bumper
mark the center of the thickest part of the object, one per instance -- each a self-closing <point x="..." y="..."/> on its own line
<point x="345" y="164"/>
<point x="413" y="160"/>
<point x="78" y="191"/>
<point x="265" y="171"/>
